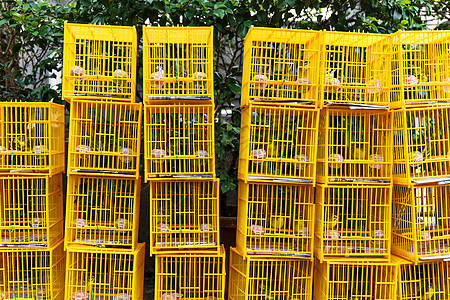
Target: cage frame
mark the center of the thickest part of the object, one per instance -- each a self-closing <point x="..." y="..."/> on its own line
<point x="298" y="200"/>
<point x="47" y="154"/>
<point x="375" y="168"/>
<point x="218" y="275"/>
<point x="322" y="273"/>
<point x="405" y="159"/>
<point x="43" y="226"/>
<point x="160" y="155"/>
<point x="426" y="244"/>
<point x="308" y="41"/>
<point x="299" y="168"/>
<point x="209" y="242"/>
<point x="163" y="39"/>
<point x="136" y="284"/>
<point x="246" y="273"/>
<point x="354" y="246"/>
<point x="358" y="40"/>
<point x="85" y="151"/>
<point x="55" y="268"/>
<point x="123" y="229"/>
<point x="103" y="36"/>
<point x="404" y="45"/>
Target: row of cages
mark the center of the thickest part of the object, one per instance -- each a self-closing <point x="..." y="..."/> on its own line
<point x="410" y="146"/>
<point x="116" y="274"/>
<point x="279" y="65"/>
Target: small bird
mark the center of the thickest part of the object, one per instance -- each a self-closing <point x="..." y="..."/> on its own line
<point x="272" y="150"/>
<point x="277" y="222"/>
<point x="334" y="222"/>
<point x="300" y="227"/>
<point x="359" y="153"/>
<point x="264" y="293"/>
<point x="420" y="224"/>
<point x="156" y="78"/>
<point x="20" y="143"/>
<point x="262" y="81"/>
<point x="428" y="293"/>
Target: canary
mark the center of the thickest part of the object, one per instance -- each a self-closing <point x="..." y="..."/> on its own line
<point x="334" y="222"/>
<point x="429" y="293"/>
<point x="359" y="153"/>
<point x="277" y="222"/>
<point x="300" y="227"/>
<point x="420" y="224"/>
<point x="262" y="290"/>
<point x="20" y="143"/>
<point x="272" y="150"/>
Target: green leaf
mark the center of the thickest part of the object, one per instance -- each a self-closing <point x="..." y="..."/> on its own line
<point x="220" y="13"/>
<point x="4" y="21"/>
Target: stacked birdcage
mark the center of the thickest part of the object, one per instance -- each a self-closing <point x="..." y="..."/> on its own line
<point x="31" y="200"/>
<point x="421" y="101"/>
<point x="179" y="162"/>
<point x="104" y="258"/>
<point x="277" y="165"/>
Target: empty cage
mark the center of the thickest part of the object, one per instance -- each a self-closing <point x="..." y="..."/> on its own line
<point x="190" y="276"/>
<point x="426" y="280"/>
<point x="184" y="215"/>
<point x="269" y="277"/>
<point x="102" y="211"/>
<point x="278" y="143"/>
<point x="105" y="274"/>
<point x="422" y="145"/>
<point x="354" y="146"/>
<point x="104" y="138"/>
<point x="179" y="140"/>
<point x="178" y="63"/>
<point x="281" y="65"/>
<point x="32" y="273"/>
<point x="355" y="280"/>
<point x="275" y="219"/>
<point x="31" y="211"/>
<point x="420" y="68"/>
<point x="31" y="138"/>
<point x="353" y="222"/>
<point x="356" y="69"/>
<point x="421" y="222"/>
<point x="99" y="62"/>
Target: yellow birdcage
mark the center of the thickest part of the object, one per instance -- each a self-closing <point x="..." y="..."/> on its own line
<point x="104" y="138"/>
<point x="262" y="277"/>
<point x="354" y="280"/>
<point x="278" y="143"/>
<point x="178" y="63"/>
<point x="353" y="222"/>
<point x="102" y="211"/>
<point x="355" y="146"/>
<point x="105" y="273"/>
<point x="275" y="219"/>
<point x="184" y="215"/>
<point x="421" y="222"/>
<point x="420" y="68"/>
<point x="190" y="276"/>
<point x="179" y="140"/>
<point x="31" y="137"/>
<point x="32" y="273"/>
<point x="423" y="281"/>
<point x="281" y="65"/>
<point x="355" y="69"/>
<point x="421" y="145"/>
<point x="99" y="62"/>
<point x="31" y="211"/>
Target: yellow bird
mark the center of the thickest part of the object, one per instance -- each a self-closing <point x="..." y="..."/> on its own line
<point x="420" y="224"/>
<point x="20" y="143"/>
<point x="272" y="150"/>
<point x="428" y="295"/>
<point x="262" y="290"/>
<point x="277" y="222"/>
<point x="334" y="222"/>
<point x="359" y="153"/>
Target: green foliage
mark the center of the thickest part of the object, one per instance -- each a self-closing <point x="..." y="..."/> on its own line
<point x="34" y="30"/>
